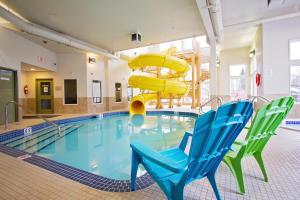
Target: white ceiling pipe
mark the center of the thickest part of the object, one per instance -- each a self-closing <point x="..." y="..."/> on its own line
<point x="203" y="9"/>
<point x="44" y="32"/>
<point x="215" y="11"/>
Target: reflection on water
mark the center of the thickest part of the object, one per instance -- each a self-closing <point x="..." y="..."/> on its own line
<point x="102" y="146"/>
<point x="137" y="120"/>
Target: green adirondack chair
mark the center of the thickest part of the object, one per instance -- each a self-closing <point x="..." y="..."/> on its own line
<point x="264" y="125"/>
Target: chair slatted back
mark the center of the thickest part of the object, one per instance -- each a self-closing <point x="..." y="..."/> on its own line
<point x="214" y="133"/>
<point x="265" y="123"/>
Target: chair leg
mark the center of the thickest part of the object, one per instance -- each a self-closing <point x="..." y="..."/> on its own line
<point x="177" y="193"/>
<point x="236" y="169"/>
<point x="212" y="180"/>
<point x="260" y="162"/>
<point x="134" y="167"/>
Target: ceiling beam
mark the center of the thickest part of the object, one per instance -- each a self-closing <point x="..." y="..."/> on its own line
<point x="207" y="21"/>
<point x="205" y="15"/>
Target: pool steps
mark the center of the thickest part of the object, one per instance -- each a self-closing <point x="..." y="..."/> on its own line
<point x="37" y="132"/>
<point x="41" y="138"/>
<point x="44" y="143"/>
<point x="26" y="142"/>
<point x="18" y="140"/>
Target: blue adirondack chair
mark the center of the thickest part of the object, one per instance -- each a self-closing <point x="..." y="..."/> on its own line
<point x="214" y="133"/>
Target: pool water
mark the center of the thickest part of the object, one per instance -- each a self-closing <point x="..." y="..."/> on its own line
<point x="102" y="146"/>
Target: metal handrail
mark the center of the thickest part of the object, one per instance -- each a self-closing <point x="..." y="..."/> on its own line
<point x="219" y="102"/>
<point x="253" y="98"/>
<point x="19" y="105"/>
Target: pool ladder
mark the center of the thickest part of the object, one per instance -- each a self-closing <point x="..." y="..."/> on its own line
<point x="19" y="105"/>
<point x="219" y="103"/>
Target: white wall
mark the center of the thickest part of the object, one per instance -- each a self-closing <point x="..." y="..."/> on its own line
<point x="231" y="57"/>
<point x="72" y="66"/>
<point x="119" y="72"/>
<point x="15" y="49"/>
<point x="276" y="36"/>
<point x="95" y="71"/>
<point x="256" y="63"/>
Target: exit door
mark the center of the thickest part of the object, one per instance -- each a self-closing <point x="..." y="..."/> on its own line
<point x="44" y="96"/>
<point x="8" y="93"/>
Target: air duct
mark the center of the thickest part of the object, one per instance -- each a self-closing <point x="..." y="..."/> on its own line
<point x="215" y="11"/>
<point x="44" y="32"/>
<point x="211" y="14"/>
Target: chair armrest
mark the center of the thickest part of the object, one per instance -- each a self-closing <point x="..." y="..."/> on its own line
<point x="184" y="140"/>
<point x="239" y="143"/>
<point x="155" y="157"/>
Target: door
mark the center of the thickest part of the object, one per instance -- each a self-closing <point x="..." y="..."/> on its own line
<point x="118" y="92"/>
<point x="8" y="93"/>
<point x="44" y="96"/>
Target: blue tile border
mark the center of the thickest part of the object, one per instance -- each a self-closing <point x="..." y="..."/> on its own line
<point x="81" y="176"/>
<point x="292" y="122"/>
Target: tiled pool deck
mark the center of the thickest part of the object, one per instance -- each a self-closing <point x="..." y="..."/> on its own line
<point x="22" y="180"/>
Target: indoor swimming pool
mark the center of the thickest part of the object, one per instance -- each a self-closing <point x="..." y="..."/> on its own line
<point x="101" y="145"/>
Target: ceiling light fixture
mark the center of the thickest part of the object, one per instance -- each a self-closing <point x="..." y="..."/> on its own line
<point x="32" y="69"/>
<point x="252" y="53"/>
<point x="92" y="60"/>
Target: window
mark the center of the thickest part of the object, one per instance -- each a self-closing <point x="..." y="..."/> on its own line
<point x="118" y="92"/>
<point x="205" y="84"/>
<point x="202" y="40"/>
<point x="205" y="90"/>
<point x="295" y="50"/>
<point x="96" y="91"/>
<point x="295" y="82"/>
<point x="237" y="81"/>
<point x="177" y="44"/>
<point x="164" y="46"/>
<point x="187" y="44"/>
<point x="189" y="75"/>
<point x="70" y="91"/>
<point x="295" y="69"/>
<point x="129" y="93"/>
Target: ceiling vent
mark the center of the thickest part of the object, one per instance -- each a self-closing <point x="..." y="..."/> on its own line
<point x="136" y="37"/>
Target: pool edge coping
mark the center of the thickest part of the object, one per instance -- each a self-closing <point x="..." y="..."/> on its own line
<point x="87" y="178"/>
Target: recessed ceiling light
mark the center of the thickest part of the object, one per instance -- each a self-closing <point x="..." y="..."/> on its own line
<point x="32" y="69"/>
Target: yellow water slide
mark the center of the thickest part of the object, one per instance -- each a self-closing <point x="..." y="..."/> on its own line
<point x="164" y="84"/>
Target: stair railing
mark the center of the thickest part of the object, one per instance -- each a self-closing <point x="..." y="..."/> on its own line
<point x="19" y="105"/>
<point x="219" y="103"/>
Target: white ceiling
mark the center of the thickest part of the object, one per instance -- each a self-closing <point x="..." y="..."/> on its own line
<point x="241" y="11"/>
<point x="109" y="23"/>
<point x="238" y="37"/>
<point x="235" y="13"/>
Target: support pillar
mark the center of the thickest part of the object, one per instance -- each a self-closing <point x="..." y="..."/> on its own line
<point x="107" y="99"/>
<point x="213" y="72"/>
<point x="193" y="81"/>
<point x="158" y="102"/>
